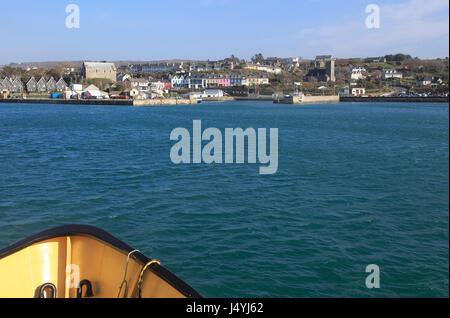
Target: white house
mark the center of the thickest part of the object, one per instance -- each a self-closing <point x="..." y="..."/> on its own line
<point x="264" y="68"/>
<point x="213" y="93"/>
<point x="180" y="81"/>
<point x="76" y="87"/>
<point x="352" y="91"/>
<point x="194" y="95"/>
<point x="391" y="73"/>
<point x="140" y="83"/>
<point x="208" y="93"/>
<point x="123" y="77"/>
<point x="291" y="62"/>
<point x="425" y="81"/>
<point x="358" y="91"/>
<point x="357" y="73"/>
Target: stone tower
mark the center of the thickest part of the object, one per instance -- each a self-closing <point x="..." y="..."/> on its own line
<point x="330" y="69"/>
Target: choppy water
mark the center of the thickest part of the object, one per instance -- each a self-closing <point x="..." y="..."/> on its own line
<point x="357" y="184"/>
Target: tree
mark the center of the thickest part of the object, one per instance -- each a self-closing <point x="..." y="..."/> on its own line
<point x="60" y="69"/>
<point x="9" y="71"/>
<point x="397" y="57"/>
<point x="258" y="58"/>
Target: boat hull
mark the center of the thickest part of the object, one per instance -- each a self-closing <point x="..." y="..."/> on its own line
<point x="66" y="256"/>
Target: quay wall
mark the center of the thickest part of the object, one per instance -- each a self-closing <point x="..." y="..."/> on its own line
<point x="395" y="99"/>
<point x="114" y="102"/>
<point x="307" y="100"/>
<point x="122" y="102"/>
<point x="320" y="99"/>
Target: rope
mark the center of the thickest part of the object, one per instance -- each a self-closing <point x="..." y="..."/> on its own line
<point x="141" y="275"/>
<point x="124" y="281"/>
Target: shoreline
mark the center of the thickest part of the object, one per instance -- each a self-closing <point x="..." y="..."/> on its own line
<point x="175" y="101"/>
<point x="114" y="102"/>
<point x="394" y="99"/>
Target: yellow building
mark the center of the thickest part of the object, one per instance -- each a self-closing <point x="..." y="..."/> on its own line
<point x="93" y="70"/>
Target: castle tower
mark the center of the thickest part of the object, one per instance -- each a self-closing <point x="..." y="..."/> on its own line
<point x="330" y="69"/>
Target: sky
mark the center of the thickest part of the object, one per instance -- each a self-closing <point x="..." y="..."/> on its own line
<point x="34" y="31"/>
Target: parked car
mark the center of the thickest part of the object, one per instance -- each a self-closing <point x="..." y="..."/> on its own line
<point x="120" y="97"/>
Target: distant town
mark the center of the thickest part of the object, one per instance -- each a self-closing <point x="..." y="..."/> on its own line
<point x="390" y="75"/>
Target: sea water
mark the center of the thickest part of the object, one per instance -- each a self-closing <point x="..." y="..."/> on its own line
<point x="357" y="184"/>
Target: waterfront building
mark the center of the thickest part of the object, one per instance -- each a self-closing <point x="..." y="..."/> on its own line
<point x="7" y="84"/>
<point x="17" y="85"/>
<point x="157" y="86"/>
<point x="134" y="92"/>
<point x="167" y="84"/>
<point x="99" y="70"/>
<point x="212" y="81"/>
<point x="140" y="83"/>
<point x="352" y="91"/>
<point x="32" y="85"/>
<point x="256" y="80"/>
<point x="76" y="88"/>
<point x="197" y="81"/>
<point x="223" y="81"/>
<point x="236" y="80"/>
<point x="185" y="82"/>
<point x="61" y="85"/>
<point x="207" y="93"/>
<point x="194" y="95"/>
<point x="213" y="93"/>
<point x="51" y="85"/>
<point x="201" y="81"/>
<point x="358" y="91"/>
<point x="180" y="81"/>
<point x="42" y="85"/>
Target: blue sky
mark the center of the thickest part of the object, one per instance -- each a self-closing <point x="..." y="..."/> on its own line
<point x="212" y="29"/>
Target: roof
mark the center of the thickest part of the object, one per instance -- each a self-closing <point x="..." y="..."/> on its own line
<point x="61" y="81"/>
<point x="323" y="57"/>
<point x="32" y="79"/>
<point x="92" y="87"/>
<point x="99" y="66"/>
<point x="138" y="80"/>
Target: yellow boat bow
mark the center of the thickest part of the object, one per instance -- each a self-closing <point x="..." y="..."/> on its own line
<point x="79" y="261"/>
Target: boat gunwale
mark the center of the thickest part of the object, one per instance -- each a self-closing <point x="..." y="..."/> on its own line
<point x="99" y="234"/>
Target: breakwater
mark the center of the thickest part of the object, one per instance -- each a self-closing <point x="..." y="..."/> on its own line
<point x="307" y="99"/>
<point x="254" y="98"/>
<point x="122" y="102"/>
<point x="395" y="99"/>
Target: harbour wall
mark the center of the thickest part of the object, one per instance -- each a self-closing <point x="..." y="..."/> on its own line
<point x="307" y="100"/>
<point x="320" y="99"/>
<point x="395" y="99"/>
<point x="115" y="102"/>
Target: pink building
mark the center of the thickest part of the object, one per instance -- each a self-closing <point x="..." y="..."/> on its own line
<point x="224" y="81"/>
